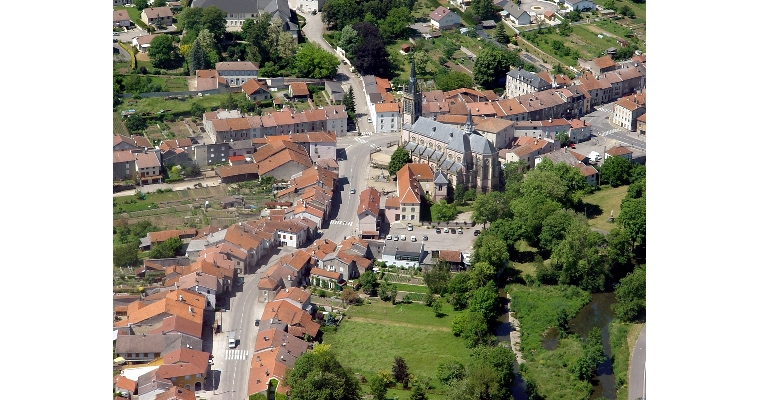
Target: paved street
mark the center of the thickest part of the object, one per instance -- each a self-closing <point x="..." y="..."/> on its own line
<point x="602" y="127"/>
<point x="637" y="370"/>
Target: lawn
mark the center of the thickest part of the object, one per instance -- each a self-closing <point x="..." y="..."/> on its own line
<point x="118" y="125"/>
<point x="376" y="333"/>
<point x="613" y="28"/>
<point x="134" y="15"/>
<point x="154" y="104"/>
<point x="551" y="374"/>
<point x="411" y="288"/>
<point x="600" y="203"/>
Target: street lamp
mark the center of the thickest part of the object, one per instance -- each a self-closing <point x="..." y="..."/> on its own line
<point x="210" y="368"/>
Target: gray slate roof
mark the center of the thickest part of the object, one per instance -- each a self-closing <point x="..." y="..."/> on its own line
<point x="512" y="8"/>
<point x="440" y="179"/>
<point x="532" y="79"/>
<point x="393" y="248"/>
<point x="248" y="6"/>
<point x="454" y="138"/>
<point x="156" y="343"/>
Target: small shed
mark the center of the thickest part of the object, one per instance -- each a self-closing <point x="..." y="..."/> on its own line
<point x="405" y="48"/>
<point x="488" y="24"/>
<point x="611" y="51"/>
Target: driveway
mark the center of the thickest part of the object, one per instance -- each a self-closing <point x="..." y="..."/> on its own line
<point x="637" y="371"/>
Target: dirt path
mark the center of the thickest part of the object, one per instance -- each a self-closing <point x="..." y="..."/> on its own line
<point x="404" y="324"/>
<point x="597" y="29"/>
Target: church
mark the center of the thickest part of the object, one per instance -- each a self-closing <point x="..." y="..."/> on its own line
<point x="464" y="157"/>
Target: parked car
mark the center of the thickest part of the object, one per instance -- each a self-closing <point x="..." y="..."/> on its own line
<point x="389" y="237"/>
<point x="257" y="322"/>
<point x="402" y="237"/>
<point x="437" y="230"/>
<point x="395" y="237"/>
<point x="353" y="191"/>
<point x="409" y="227"/>
<point x="477" y="232"/>
<point x="413" y="238"/>
<point x="459" y="231"/>
<point x="424" y="238"/>
<point x="445" y="230"/>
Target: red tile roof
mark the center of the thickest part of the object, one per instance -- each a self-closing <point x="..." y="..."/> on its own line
<point x="299" y="89"/>
<point x="369" y="199"/>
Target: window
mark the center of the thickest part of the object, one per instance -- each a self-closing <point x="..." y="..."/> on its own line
<point x="411" y="216"/>
<point x="412" y="210"/>
<point x="403" y="216"/>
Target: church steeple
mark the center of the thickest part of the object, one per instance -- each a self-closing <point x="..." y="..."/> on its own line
<point x="412" y="79"/>
<point x="468" y="123"/>
<point x="411" y="101"/>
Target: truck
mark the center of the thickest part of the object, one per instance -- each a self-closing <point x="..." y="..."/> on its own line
<point x="232" y="340"/>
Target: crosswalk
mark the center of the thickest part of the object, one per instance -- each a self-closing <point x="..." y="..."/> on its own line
<point x="338" y="222"/>
<point x="236" y="354"/>
<point x="360" y="140"/>
<point x="605" y="133"/>
<point x="605" y="109"/>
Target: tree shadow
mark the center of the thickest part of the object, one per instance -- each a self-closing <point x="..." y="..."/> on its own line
<point x="590" y="210"/>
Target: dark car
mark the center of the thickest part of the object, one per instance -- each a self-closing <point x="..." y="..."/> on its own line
<point x="437" y="230"/>
<point x="424" y="238"/>
<point x="477" y="232"/>
<point x="257" y="322"/>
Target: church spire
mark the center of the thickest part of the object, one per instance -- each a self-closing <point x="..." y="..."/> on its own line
<point x="412" y="79"/>
<point x="468" y="123"/>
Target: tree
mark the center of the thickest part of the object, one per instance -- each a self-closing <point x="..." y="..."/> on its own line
<point x="574" y="16"/>
<point x="349" y="39"/>
<point x="499" y="360"/>
<point x="141" y="4"/>
<point x="371" y="57"/>
<point x="593" y="355"/>
<point x="491" y="65"/>
<point x="529" y="214"/>
<point x="626" y="11"/>
<point x="488" y="207"/>
<point x="395" y="23"/>
<point x="453" y="80"/>
<point x="287" y="46"/>
<point x="437" y="278"/>
<point x="125" y="255"/>
<point x="579" y="259"/>
<point x="215" y="20"/>
<point x="162" y="52"/>
<point x="256" y="32"/>
<point x="485" y="302"/>
<point x="317" y="375"/>
<point x="349" y="101"/>
<point x="368" y="283"/>
<point x="166" y="249"/>
<point x="442" y="211"/>
<point x="197" y="59"/>
<point x="136" y="123"/>
<point x="189" y="20"/>
<point x="400" y="371"/>
<point x="399" y="158"/>
<point x="482" y="273"/>
<point x="208" y="44"/>
<point x="483" y="9"/>
<point x="458" y="290"/>
<point x="631" y="295"/>
<point x="197" y="110"/>
<point x="417" y="393"/>
<point x="563" y="321"/>
<point x="336" y="14"/>
<point x="449" y="372"/>
<point x="349" y="296"/>
<point x="473" y="328"/>
<point x="159" y="3"/>
<point x="615" y="171"/>
<point x="377" y="387"/>
<point x="437" y="307"/>
<point x="554" y="227"/>
<point x="563" y="137"/>
<point x="313" y="61"/>
<point x="492" y="250"/>
<point x="633" y="217"/>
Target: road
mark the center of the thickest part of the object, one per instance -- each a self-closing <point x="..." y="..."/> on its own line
<point x="313" y="30"/>
<point x="601" y="126"/>
<point x="637" y="370"/>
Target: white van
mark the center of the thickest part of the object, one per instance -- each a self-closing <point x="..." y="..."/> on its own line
<point x="232" y="341"/>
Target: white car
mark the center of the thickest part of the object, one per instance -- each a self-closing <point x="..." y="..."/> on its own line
<point x="402" y="237"/>
<point x="353" y="191"/>
<point x="413" y="239"/>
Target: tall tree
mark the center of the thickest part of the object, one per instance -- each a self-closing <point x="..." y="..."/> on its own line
<point x="453" y="80"/>
<point x="141" y="4"/>
<point x="491" y="65"/>
<point x="395" y="23"/>
<point x="633" y="217"/>
<point x="500" y="34"/>
<point x="166" y="249"/>
<point x="485" y="302"/>
<point x="615" y="171"/>
<point x="190" y="20"/>
<point x="473" y="328"/>
<point x="349" y="39"/>
<point x="337" y="14"/>
<point x="488" y="207"/>
<point x="215" y="20"/>
<point x="448" y="372"/>
<point x="500" y="360"/>
<point x="208" y="45"/>
<point x="349" y="101"/>
<point x="197" y="58"/>
<point x="317" y="375"/>
<point x="368" y="283"/>
<point x="482" y="273"/>
<point x="313" y="61"/>
<point x="256" y="32"/>
<point x="125" y="255"/>
<point x="580" y="259"/>
<point x="377" y="387"/>
<point x="399" y="369"/>
<point x="437" y="278"/>
<point x="492" y="250"/>
<point x="458" y="290"/>
<point x="162" y="52"/>
<point x="631" y="295"/>
<point x="418" y="393"/>
<point x="399" y="158"/>
<point x="371" y="57"/>
<point x="483" y="9"/>
<point x="443" y="211"/>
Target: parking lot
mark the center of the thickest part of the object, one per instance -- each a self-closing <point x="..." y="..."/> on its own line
<point x="439" y="241"/>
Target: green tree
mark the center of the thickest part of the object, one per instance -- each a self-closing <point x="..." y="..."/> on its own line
<point x="349" y="39"/>
<point x="215" y="20"/>
<point x="257" y="33"/>
<point x="135" y="123"/>
<point x="399" y="369"/>
<point x="189" y="20"/>
<point x="615" y="171"/>
<point x="563" y="321"/>
<point x="395" y="23"/>
<point x="197" y="59"/>
<point x="483" y="9"/>
<point x="609" y="5"/>
<point x="350" y="102"/>
<point x="197" y="110"/>
<point x="349" y="296"/>
<point x="563" y="138"/>
<point x="317" y="375"/>
<point x="473" y="328"/>
<point x="499" y="360"/>
<point x="458" y="290"/>
<point x="125" y="255"/>
<point x="593" y="355"/>
<point x="442" y="211"/>
<point x="492" y="250"/>
<point x="450" y="371"/>
<point x="488" y="207"/>
<point x="399" y="158"/>
<point x="141" y="4"/>
<point x="482" y="273"/>
<point x="207" y="43"/>
<point x="228" y="103"/>
<point x="313" y="61"/>
<point x="159" y="3"/>
<point x="554" y="227"/>
<point x="336" y="14"/>
<point x="500" y="33"/>
<point x="633" y="217"/>
<point x="437" y="278"/>
<point x="417" y="393"/>
<point x="626" y="11"/>
<point x="631" y="295"/>
<point x="377" y="387"/>
<point x="437" y="307"/>
<point x="162" y="52"/>
<point x="368" y="283"/>
<point x="166" y="249"/>
<point x="453" y="80"/>
<point x="529" y="214"/>
<point x="490" y="66"/>
<point x="579" y="258"/>
<point x="485" y="302"/>
<point x="574" y="16"/>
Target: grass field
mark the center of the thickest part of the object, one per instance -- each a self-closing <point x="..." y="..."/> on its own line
<point x="411" y="288"/>
<point x="376" y="333"/>
<point x="536" y="308"/>
<point x="552" y="376"/>
<point x="118" y="125"/>
<point x="154" y="104"/>
<point x="606" y="199"/>
<point x="621" y="354"/>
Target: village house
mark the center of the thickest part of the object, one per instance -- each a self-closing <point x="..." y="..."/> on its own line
<point x="626" y="111"/>
<point x="521" y="82"/>
<point x="403" y="254"/>
<point x="368" y="213"/>
<point x="255" y="90"/>
<point x="442" y="18"/>
<point x="157" y="16"/>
